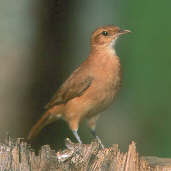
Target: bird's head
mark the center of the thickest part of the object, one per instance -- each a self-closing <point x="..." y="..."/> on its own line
<point x="106" y="36"/>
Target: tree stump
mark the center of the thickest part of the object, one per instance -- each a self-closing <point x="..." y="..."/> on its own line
<point x="17" y="155"/>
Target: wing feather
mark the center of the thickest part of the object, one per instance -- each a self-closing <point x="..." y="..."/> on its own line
<point x="73" y="87"/>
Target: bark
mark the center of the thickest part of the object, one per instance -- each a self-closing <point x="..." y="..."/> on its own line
<point x="17" y="155"/>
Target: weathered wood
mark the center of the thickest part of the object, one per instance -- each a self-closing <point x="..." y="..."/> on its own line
<point x="16" y="155"/>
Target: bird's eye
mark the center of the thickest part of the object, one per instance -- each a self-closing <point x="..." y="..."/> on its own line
<point x="105" y="33"/>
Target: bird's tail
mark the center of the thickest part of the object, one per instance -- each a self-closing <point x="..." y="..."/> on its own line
<point x="46" y="119"/>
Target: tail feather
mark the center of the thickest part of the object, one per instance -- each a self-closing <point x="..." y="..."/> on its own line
<point x="46" y="119"/>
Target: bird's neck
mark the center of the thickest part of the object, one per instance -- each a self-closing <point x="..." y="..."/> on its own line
<point x="103" y="52"/>
<point x="104" y="58"/>
<point x="102" y="61"/>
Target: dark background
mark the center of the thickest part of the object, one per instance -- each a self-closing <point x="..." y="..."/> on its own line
<point x="41" y="43"/>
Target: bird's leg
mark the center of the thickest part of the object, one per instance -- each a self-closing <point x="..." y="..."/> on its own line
<point x="93" y="132"/>
<point x="78" y="149"/>
<point x="77" y="136"/>
<point x="92" y="125"/>
<point x="74" y="124"/>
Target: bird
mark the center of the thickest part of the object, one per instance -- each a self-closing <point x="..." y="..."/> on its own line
<point x="91" y="87"/>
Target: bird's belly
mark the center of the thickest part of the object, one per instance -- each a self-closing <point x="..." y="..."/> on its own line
<point x="94" y="100"/>
<point x="102" y="94"/>
<point x="100" y="102"/>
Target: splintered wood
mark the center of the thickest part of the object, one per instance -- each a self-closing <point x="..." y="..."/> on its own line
<point x="16" y="155"/>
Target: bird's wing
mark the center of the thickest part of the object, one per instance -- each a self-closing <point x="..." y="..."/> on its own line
<point x="74" y="86"/>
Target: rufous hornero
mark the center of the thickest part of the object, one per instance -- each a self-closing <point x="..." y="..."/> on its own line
<point x="90" y="89"/>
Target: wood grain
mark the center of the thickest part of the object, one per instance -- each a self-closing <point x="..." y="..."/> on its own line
<point x="17" y="155"/>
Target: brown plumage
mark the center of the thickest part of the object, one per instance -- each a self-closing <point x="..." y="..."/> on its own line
<point x="90" y="89"/>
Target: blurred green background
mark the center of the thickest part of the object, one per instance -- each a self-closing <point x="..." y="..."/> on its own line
<point x="41" y="43"/>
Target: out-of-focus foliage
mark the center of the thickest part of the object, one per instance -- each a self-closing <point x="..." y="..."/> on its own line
<point x="39" y="48"/>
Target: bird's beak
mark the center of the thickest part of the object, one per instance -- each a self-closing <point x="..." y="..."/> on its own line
<point x="123" y="32"/>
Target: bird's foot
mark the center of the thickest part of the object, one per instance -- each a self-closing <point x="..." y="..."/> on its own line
<point x="73" y="150"/>
<point x="100" y="142"/>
